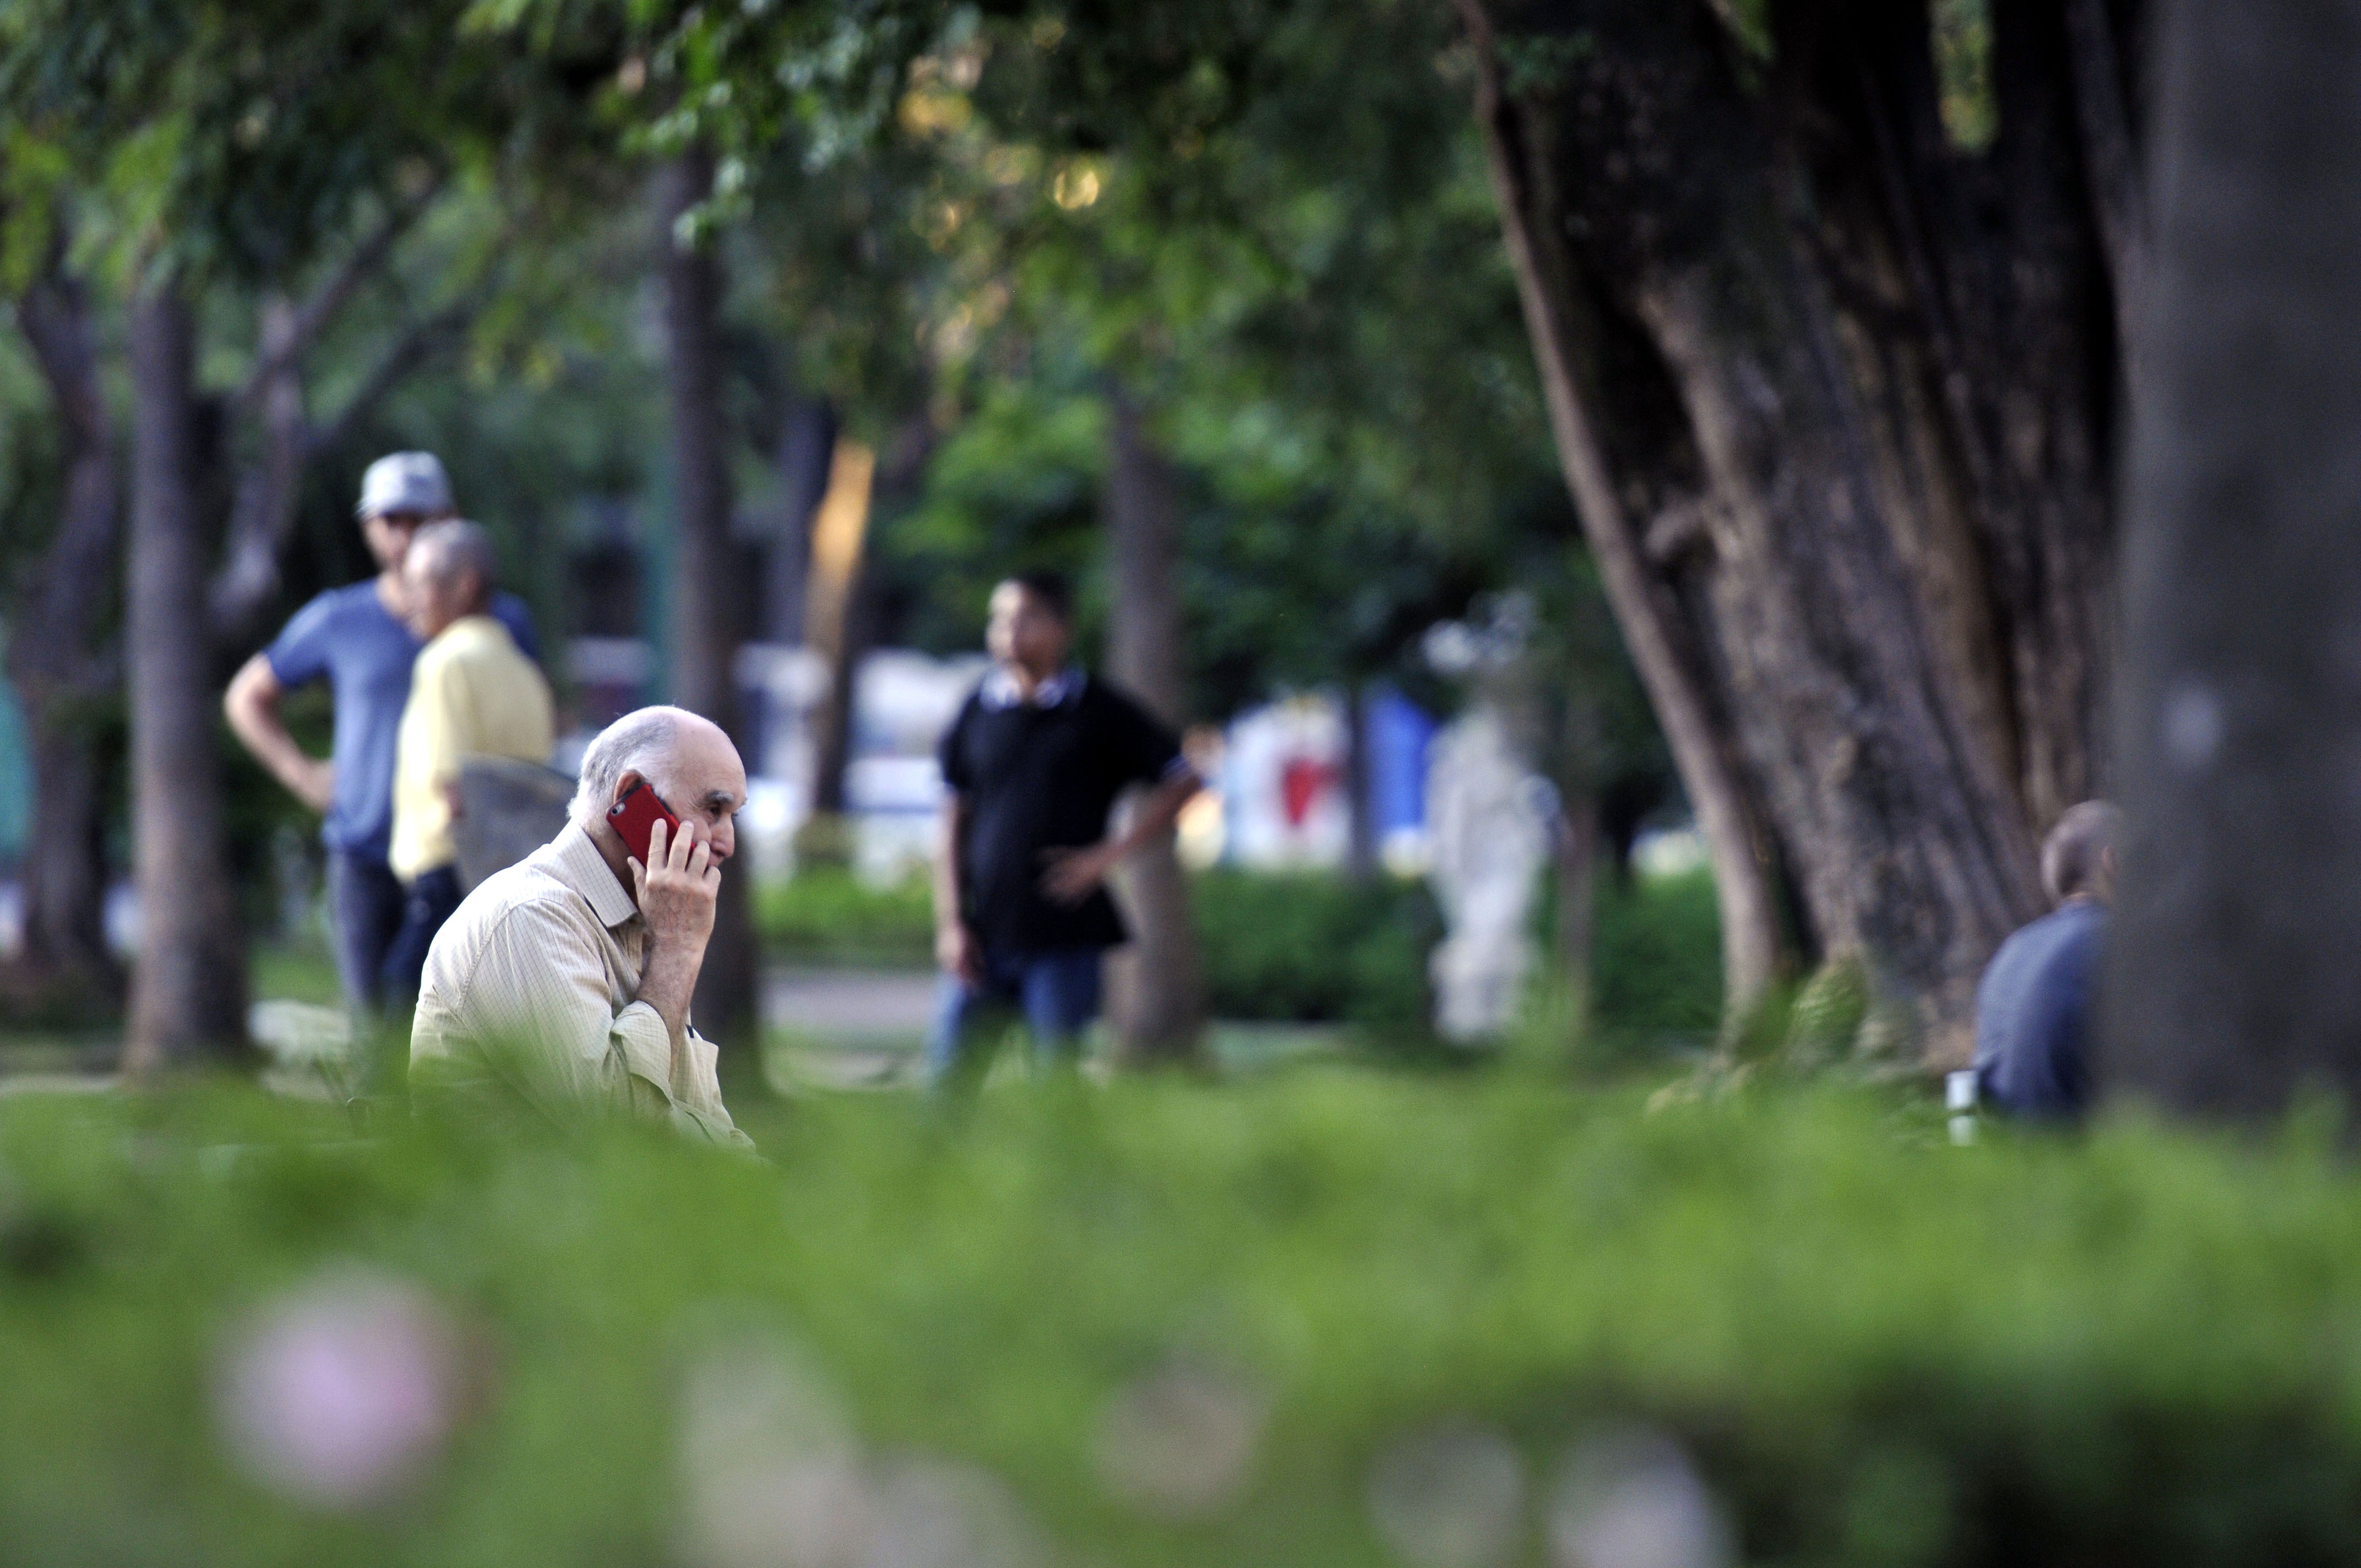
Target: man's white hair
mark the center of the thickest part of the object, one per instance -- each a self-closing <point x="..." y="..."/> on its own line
<point x="444" y="550"/>
<point x="643" y="742"/>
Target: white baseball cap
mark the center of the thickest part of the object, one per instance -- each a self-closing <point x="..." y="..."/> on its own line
<point x="411" y="482"/>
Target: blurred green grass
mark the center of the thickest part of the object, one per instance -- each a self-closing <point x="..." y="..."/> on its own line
<point x="1871" y="1348"/>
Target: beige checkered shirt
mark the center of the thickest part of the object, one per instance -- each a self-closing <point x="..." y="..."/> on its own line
<point x="530" y="1013"/>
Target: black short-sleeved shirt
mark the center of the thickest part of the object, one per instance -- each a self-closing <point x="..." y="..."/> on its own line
<point x="1042" y="775"/>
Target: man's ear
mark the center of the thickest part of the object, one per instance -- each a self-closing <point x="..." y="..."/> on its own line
<point x="626" y="784"/>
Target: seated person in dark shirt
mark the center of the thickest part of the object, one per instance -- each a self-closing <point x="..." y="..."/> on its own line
<point x="2034" y="1007"/>
<point x="1034" y="763"/>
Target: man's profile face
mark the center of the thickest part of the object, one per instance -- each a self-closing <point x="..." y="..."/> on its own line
<point x="1025" y="631"/>
<point x="435" y="597"/>
<point x="388" y="534"/>
<point x="705" y="784"/>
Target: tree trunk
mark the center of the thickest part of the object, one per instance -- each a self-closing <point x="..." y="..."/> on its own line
<point x="844" y="617"/>
<point x="2234" y="985"/>
<point x="707" y="628"/>
<point x="806" y="448"/>
<point x="1360" y="786"/>
<point x="187" y="999"/>
<point x="1155" y="999"/>
<point x="53" y="664"/>
<point x="1887" y="400"/>
<point x="1670" y="666"/>
<point x="1577" y="861"/>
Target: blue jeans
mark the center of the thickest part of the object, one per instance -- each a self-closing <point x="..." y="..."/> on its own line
<point x="365" y="911"/>
<point x="427" y="902"/>
<point x="1058" y="992"/>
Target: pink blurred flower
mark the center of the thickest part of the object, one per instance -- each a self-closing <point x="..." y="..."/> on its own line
<point x="337" y="1393"/>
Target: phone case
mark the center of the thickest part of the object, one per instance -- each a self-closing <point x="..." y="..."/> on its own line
<point x="635" y="817"/>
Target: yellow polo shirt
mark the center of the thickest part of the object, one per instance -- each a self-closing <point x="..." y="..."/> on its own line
<point x="471" y="695"/>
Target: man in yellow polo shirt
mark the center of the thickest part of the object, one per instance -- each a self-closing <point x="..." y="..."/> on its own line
<point x="472" y="693"/>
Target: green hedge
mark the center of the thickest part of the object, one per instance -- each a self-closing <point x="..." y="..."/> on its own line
<point x="1285" y="1324"/>
<point x="1315" y="948"/>
<point x="824" y="915"/>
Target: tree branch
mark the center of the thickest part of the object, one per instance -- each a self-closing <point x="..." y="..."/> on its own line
<point x="264" y="512"/>
<point x="52" y="639"/>
<point x="423" y="338"/>
<point x="311" y="318"/>
<point x="2110" y="156"/>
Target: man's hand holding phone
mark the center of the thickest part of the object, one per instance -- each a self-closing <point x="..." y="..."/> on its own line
<point x="677" y="887"/>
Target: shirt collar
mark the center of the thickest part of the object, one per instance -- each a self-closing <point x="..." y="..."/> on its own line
<point x="574" y="861"/>
<point x="1000" y="688"/>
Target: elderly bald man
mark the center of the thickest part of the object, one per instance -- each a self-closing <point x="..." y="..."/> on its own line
<point x="558" y="991"/>
<point x="472" y="693"/>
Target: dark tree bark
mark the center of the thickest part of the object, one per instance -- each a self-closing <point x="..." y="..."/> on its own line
<point x="706" y="627"/>
<point x="1360" y="787"/>
<point x="187" y="999"/>
<point x="2233" y="984"/>
<point x="54" y="664"/>
<point x="1890" y="370"/>
<point x="1156" y="996"/>
<point x="1672" y="664"/>
<point x="1577" y="858"/>
<point x="807" y="446"/>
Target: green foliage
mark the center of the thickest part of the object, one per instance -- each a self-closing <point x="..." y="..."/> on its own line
<point x="1656" y="960"/>
<point x="1962" y="37"/>
<point x="1871" y="1348"/>
<point x="1316" y="947"/>
<point x="825" y="915"/>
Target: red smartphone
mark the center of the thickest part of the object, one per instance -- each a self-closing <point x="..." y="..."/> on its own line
<point x="635" y="817"/>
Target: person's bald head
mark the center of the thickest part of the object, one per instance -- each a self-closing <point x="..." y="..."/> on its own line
<point x="448" y="573"/>
<point x="2078" y="859"/>
<point x="684" y="757"/>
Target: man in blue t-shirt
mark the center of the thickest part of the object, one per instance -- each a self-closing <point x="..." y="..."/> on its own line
<point x="2035" y="1005"/>
<point x="357" y="640"/>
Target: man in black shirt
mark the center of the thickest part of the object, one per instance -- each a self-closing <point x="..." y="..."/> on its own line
<point x="1033" y="764"/>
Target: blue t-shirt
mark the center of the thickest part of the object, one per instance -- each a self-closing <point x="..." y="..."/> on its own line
<point x="2034" y="1013"/>
<point x="349" y="636"/>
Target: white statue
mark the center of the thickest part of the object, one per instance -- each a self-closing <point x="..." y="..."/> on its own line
<point x="1489" y="836"/>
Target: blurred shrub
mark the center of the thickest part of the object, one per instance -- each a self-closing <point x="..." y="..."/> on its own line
<point x="1656" y="958"/>
<point x="825" y="915"/>
<point x="1311" y="947"/>
<point x="1315" y="948"/>
<point x="1302" y="1321"/>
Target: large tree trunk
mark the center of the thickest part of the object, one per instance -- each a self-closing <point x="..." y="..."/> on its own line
<point x="1671" y="663"/>
<point x="187" y="999"/>
<point x="1156" y="998"/>
<point x="1879" y="467"/>
<point x="707" y="628"/>
<point x="54" y="666"/>
<point x="2234" y="984"/>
